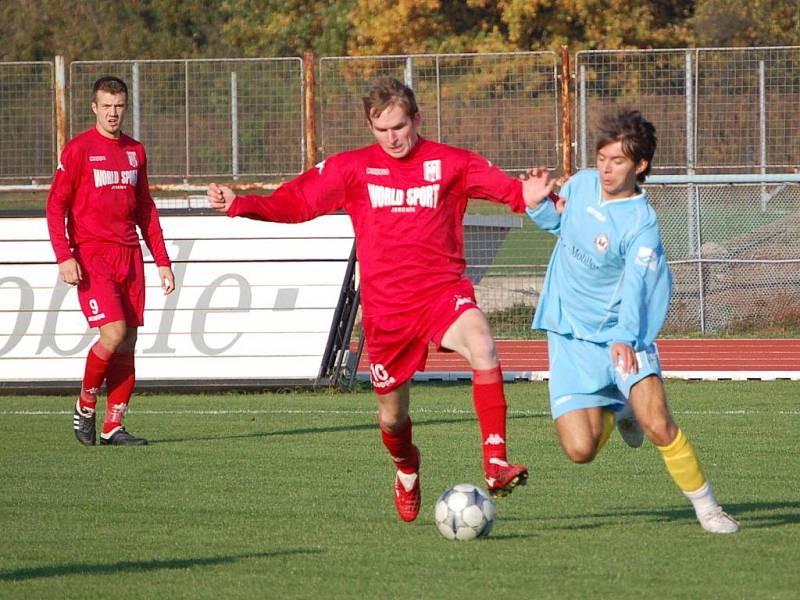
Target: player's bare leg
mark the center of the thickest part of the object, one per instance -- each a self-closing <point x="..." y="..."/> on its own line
<point x="649" y="402"/>
<point x="583" y="432"/>
<point x="471" y="337"/>
<point x="396" y="427"/>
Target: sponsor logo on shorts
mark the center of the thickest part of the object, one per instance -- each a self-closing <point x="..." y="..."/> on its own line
<point x="432" y="170"/>
<point x="96" y="317"/>
<point x="601" y="242"/>
<point x="380" y="377"/>
<point x="377" y="171"/>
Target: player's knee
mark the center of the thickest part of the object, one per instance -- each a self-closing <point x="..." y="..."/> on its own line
<point x="392" y="421"/>
<point x="113" y="337"/>
<point x="660" y="432"/>
<point x="483" y="352"/>
<point x="579" y="451"/>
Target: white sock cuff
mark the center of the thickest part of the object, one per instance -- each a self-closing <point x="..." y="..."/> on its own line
<point x="703" y="498"/>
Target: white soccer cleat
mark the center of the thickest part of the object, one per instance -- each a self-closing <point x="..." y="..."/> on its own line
<point x="629" y="428"/>
<point x="716" y="520"/>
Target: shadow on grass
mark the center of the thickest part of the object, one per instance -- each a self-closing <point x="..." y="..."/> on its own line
<point x="751" y="515"/>
<point x="133" y="566"/>
<point x="308" y="431"/>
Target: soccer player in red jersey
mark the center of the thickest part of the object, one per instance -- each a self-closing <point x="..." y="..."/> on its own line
<point x="100" y="189"/>
<point x="406" y="197"/>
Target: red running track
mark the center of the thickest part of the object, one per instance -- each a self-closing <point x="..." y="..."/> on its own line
<point x="682" y="358"/>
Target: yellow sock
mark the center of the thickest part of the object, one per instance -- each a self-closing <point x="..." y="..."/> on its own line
<point x="609" y="420"/>
<point x="682" y="463"/>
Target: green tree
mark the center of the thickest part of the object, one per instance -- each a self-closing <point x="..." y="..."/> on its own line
<point x="93" y="29"/>
<point x="266" y="28"/>
<point x="728" y="23"/>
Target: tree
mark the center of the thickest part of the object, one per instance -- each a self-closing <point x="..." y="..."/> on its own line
<point x="266" y="28"/>
<point x="728" y="23"/>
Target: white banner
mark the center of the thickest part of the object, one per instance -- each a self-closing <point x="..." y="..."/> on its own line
<point x="254" y="300"/>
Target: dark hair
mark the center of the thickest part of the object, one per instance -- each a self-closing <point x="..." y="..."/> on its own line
<point x="111" y="85"/>
<point x="637" y="135"/>
<point x="386" y="92"/>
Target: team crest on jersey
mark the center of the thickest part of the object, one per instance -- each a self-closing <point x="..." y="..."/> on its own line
<point x="432" y="170"/>
<point x="601" y="242"/>
<point x="132" y="159"/>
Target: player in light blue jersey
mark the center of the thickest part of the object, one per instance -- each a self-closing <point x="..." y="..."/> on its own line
<point x="605" y="299"/>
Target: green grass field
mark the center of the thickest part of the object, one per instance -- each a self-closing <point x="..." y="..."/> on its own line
<point x="288" y="495"/>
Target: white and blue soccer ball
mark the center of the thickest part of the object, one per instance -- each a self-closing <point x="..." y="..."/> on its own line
<point x="464" y="512"/>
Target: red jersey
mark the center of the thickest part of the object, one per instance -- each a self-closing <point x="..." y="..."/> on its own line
<point x="100" y="187"/>
<point x="407" y="214"/>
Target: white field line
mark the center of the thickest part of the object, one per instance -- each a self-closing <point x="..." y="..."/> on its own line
<point x="418" y="411"/>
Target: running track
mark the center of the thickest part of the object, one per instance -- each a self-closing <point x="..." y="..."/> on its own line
<point x="710" y="359"/>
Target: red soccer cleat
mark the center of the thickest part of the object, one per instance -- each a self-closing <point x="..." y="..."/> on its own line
<point x="407" y="495"/>
<point x="502" y="477"/>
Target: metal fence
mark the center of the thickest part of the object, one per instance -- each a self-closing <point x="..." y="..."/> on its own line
<point x="503" y="106"/>
<point x="726" y="181"/>
<point x="27" y="121"/>
<point x="725" y="176"/>
<point x="205" y="118"/>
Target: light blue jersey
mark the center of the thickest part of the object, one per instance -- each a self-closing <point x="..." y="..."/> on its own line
<point x="608" y="279"/>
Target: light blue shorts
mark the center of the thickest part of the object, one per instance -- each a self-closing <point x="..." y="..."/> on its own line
<point x="582" y="375"/>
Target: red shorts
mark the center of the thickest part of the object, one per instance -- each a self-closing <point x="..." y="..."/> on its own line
<point x="398" y="344"/>
<point x="112" y="284"/>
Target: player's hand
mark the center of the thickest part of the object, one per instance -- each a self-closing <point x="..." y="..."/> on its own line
<point x="70" y="271"/>
<point x="167" y="280"/>
<point x="623" y="357"/>
<point x="537" y="184"/>
<point x="220" y="197"/>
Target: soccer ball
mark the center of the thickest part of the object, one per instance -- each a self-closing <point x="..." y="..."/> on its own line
<point x="464" y="512"/>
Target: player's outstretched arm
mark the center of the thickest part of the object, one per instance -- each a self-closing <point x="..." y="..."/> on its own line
<point x="537" y="185"/>
<point x="220" y="197"/>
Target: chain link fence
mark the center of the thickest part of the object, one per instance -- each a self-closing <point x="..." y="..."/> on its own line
<point x="503" y="106"/>
<point x="722" y="116"/>
<point x="725" y="181"/>
<point x="27" y="122"/>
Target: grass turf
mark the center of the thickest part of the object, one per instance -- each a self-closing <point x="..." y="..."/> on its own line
<point x="289" y="496"/>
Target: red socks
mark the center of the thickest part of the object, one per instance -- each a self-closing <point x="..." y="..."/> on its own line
<point x="398" y="443"/>
<point x="97" y="363"/>
<point x="490" y="407"/>
<point x="120" y="380"/>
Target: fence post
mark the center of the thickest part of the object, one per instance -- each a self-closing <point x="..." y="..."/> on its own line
<point x="762" y="130"/>
<point x="60" y="93"/>
<point x="136" y="102"/>
<point x="234" y="126"/>
<point x="311" y="116"/>
<point x="566" y="115"/>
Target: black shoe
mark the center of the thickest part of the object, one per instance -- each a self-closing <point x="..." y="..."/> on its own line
<point x="83" y="422"/>
<point x="122" y="438"/>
